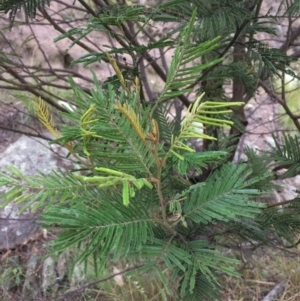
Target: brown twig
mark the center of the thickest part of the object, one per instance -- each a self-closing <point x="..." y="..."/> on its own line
<point x="278" y="289"/>
<point x="84" y="287"/>
<point x="12" y="72"/>
<point x="281" y="102"/>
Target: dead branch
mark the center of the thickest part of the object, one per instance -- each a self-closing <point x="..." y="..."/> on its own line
<point x="278" y="289"/>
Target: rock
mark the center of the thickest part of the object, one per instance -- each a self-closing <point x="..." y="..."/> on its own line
<point x="47" y="52"/>
<point x="63" y="267"/>
<point x="49" y="277"/>
<point x="240" y="155"/>
<point x="12" y="116"/>
<point x="30" y="156"/>
<point x="78" y="275"/>
<point x="288" y="193"/>
<point x="118" y="278"/>
<point x="273" y="198"/>
<point x="32" y="285"/>
<point x="297" y="182"/>
<point x="270" y="141"/>
<point x="14" y="233"/>
<point x="249" y="107"/>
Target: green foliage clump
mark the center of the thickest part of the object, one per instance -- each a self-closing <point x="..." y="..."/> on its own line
<point x="132" y="197"/>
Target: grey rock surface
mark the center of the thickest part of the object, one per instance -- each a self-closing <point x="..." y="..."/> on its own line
<point x="30" y="156"/>
<point x="49" y="276"/>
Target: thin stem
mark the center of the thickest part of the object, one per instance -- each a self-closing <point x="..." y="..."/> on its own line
<point x="222" y="54"/>
<point x="280" y="203"/>
<point x="79" y="43"/>
<point x="161" y="199"/>
<point x="282" y="103"/>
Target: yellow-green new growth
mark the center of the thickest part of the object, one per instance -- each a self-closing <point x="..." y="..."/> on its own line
<point x="115" y="177"/>
<point x="86" y="133"/>
<point x="197" y="114"/>
<point x="43" y="112"/>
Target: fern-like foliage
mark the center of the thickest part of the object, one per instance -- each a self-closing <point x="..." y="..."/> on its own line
<point x="181" y="75"/>
<point x="132" y="197"/>
<point x="125" y="203"/>
<point x="282" y="223"/>
<point x="220" y="16"/>
<point x="269" y="60"/>
<point x="106" y="228"/>
<point x="286" y="155"/>
<point x="294" y="9"/>
<point x="46" y="119"/>
<point x="36" y="191"/>
<point x="106" y="138"/>
<point x="228" y="198"/>
<point x="29" y="6"/>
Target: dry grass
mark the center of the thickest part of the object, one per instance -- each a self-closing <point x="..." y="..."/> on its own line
<point x="261" y="273"/>
<point x="136" y="286"/>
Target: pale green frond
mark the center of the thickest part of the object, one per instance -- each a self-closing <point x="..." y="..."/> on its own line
<point x="192" y="124"/>
<point x="40" y="191"/>
<point x="109" y="177"/>
<point x="181" y="75"/>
